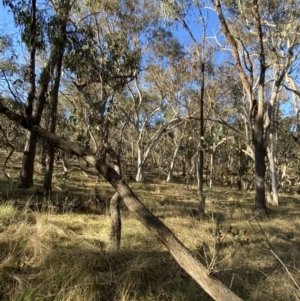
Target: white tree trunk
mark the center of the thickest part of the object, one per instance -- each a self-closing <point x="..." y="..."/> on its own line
<point x="273" y="172"/>
<point x="211" y="171"/>
<point x="172" y="163"/>
<point x="140" y="165"/>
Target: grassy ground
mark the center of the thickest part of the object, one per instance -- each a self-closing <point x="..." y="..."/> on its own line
<point x="51" y="249"/>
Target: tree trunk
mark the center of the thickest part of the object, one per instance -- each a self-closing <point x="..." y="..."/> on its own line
<point x="172" y="163"/>
<point x="273" y="172"/>
<point x="211" y="171"/>
<point x="200" y="149"/>
<point x="259" y="155"/>
<point x="116" y="224"/>
<point x="26" y="174"/>
<point x="200" y="186"/>
<point x="140" y="166"/>
<point x="257" y="106"/>
<point x="53" y="113"/>
<point x="180" y="253"/>
<point x="140" y="177"/>
<point x="27" y="169"/>
<point x="259" y="176"/>
<point x="48" y="170"/>
<point x="183" y="166"/>
<point x="114" y="207"/>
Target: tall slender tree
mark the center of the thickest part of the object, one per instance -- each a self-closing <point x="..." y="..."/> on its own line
<point x="37" y="34"/>
<point x="62" y="10"/>
<point x="262" y="46"/>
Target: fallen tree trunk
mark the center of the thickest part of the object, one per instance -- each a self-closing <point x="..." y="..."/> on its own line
<point x="181" y="254"/>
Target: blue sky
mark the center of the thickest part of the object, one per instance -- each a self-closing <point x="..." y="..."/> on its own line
<point x="6" y="19"/>
<point x="7" y="24"/>
<point x="210" y="18"/>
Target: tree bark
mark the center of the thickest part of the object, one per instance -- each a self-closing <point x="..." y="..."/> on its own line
<point x="180" y="253"/>
<point x="172" y="163"/>
<point x="257" y="106"/>
<point x="258" y="119"/>
<point x="211" y="169"/>
<point x="140" y="177"/>
<point x="259" y="175"/>
<point x="114" y="207"/>
<point x="27" y="170"/>
<point x="116" y="223"/>
<point x="54" y="99"/>
<point x="200" y="149"/>
<point x="273" y="172"/>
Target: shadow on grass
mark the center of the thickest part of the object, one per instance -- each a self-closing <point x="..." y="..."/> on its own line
<point x="100" y="274"/>
<point x="90" y="272"/>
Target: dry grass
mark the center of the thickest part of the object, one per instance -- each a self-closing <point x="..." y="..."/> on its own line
<point x="47" y="254"/>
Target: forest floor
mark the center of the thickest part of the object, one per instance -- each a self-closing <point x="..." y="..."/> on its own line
<point x="57" y="248"/>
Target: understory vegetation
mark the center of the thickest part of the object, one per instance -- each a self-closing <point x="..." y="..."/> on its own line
<point x="57" y="248"/>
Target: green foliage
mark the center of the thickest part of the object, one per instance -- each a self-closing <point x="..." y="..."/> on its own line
<point x="22" y="10"/>
<point x="110" y="59"/>
<point x="172" y="9"/>
<point x="167" y="46"/>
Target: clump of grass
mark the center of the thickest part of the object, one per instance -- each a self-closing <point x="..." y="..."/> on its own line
<point x="7" y="213"/>
<point x="47" y="258"/>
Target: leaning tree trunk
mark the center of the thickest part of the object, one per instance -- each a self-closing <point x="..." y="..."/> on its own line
<point x="180" y="253"/>
<point x="114" y="206"/>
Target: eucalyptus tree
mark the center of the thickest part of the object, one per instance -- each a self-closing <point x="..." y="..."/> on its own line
<point x="108" y="37"/>
<point x="106" y="42"/>
<point x="230" y="110"/>
<point x="177" y="136"/>
<point x="42" y="29"/>
<point x="264" y="41"/>
<point x="9" y="72"/>
<point x="180" y="11"/>
<point x="59" y="26"/>
<point x="147" y="104"/>
<point x="150" y="123"/>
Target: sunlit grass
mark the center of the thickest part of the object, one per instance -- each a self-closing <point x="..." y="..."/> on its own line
<point x="47" y="253"/>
